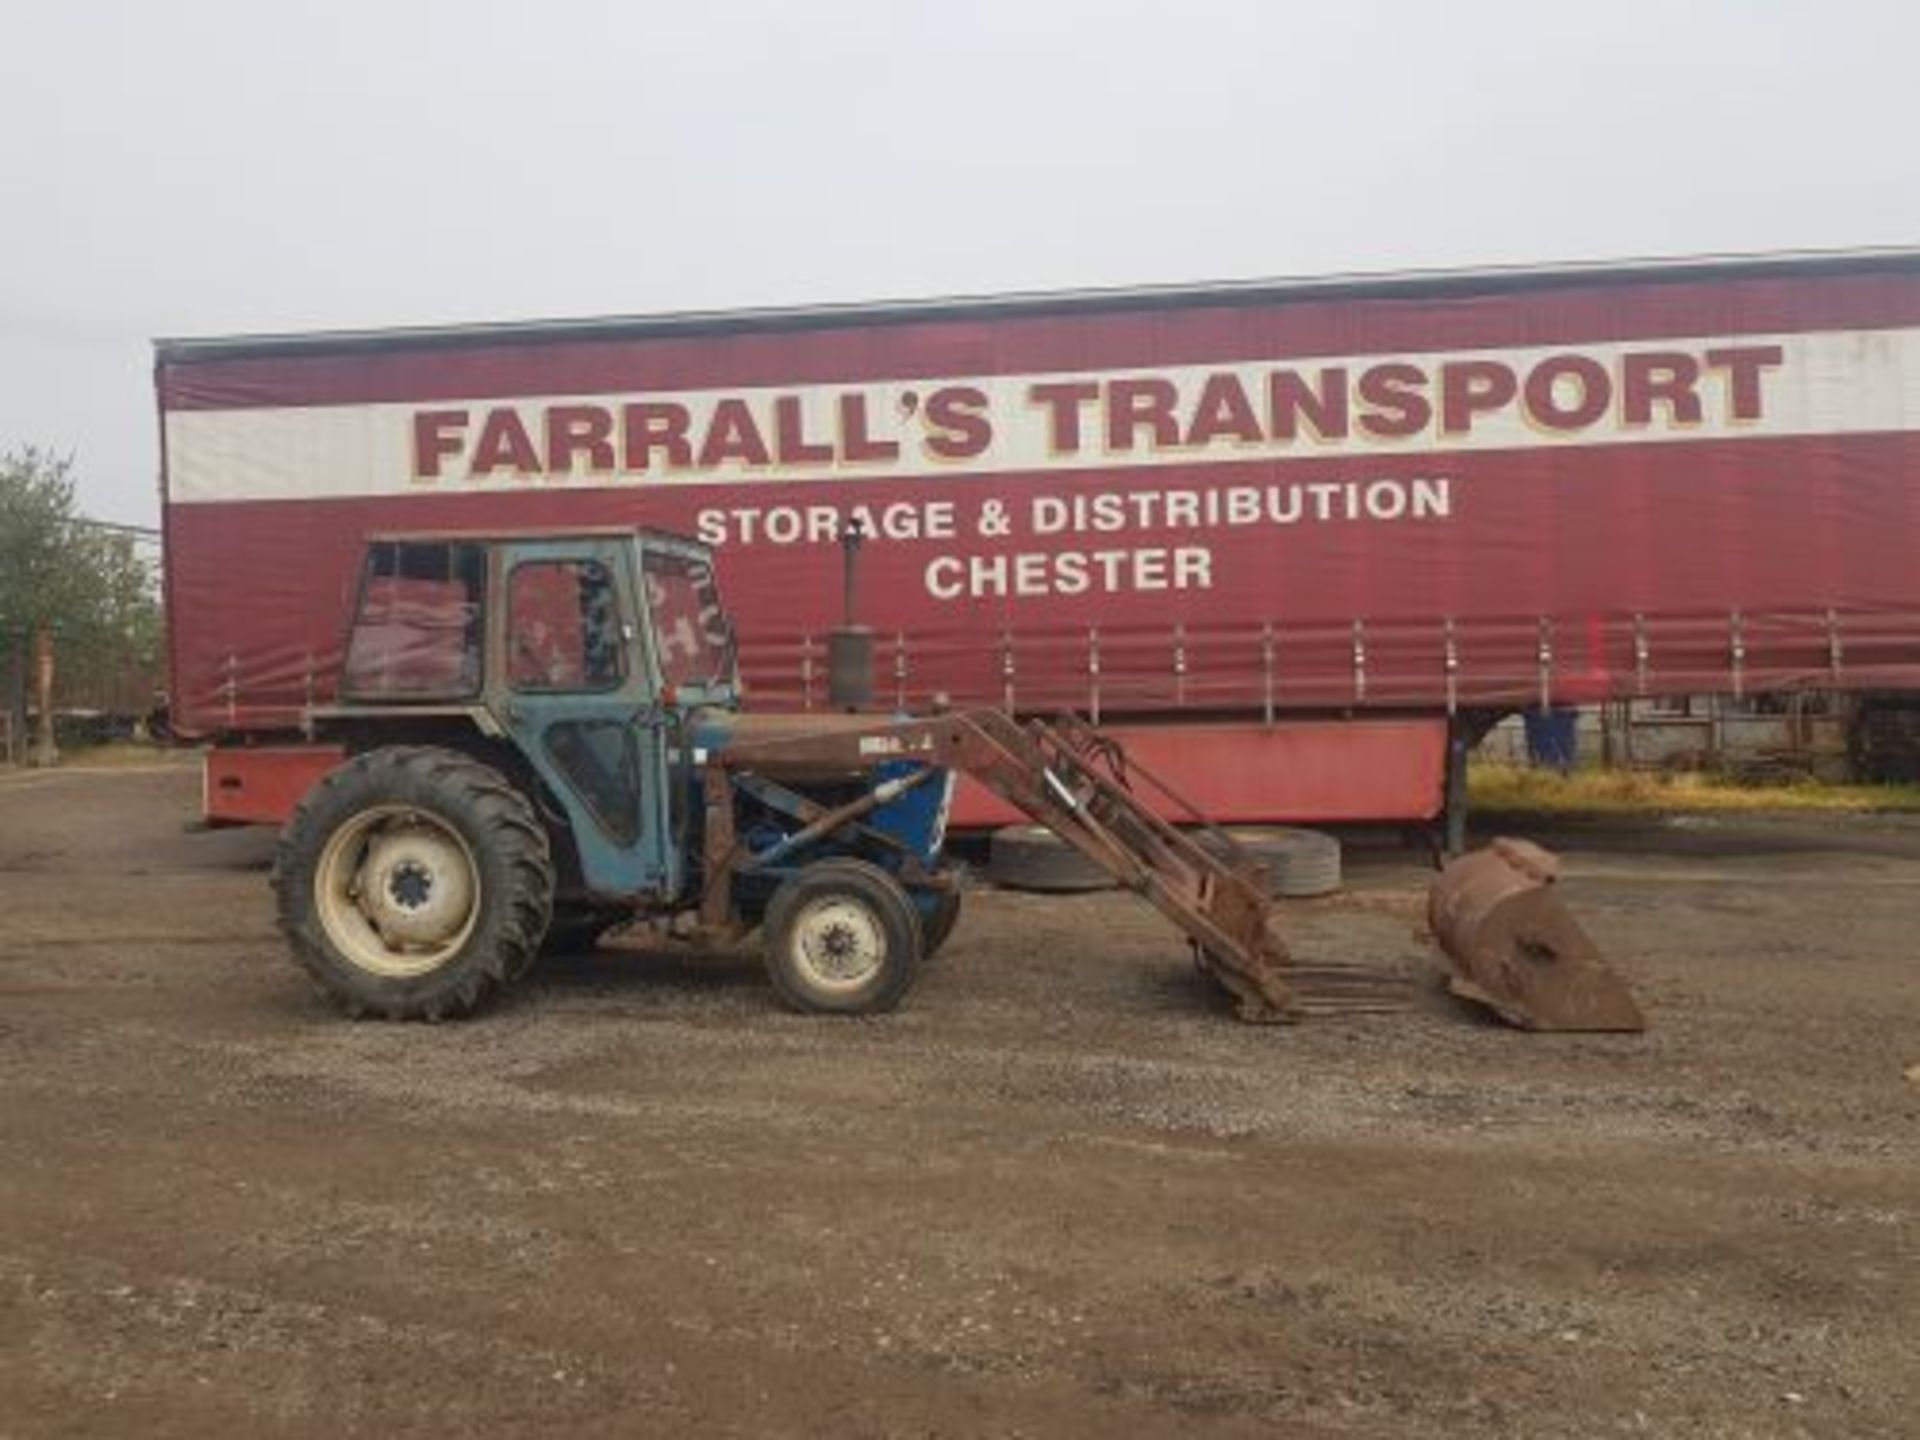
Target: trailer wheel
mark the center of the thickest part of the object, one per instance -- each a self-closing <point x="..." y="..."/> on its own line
<point x="413" y="883"/>
<point x="842" y="938"/>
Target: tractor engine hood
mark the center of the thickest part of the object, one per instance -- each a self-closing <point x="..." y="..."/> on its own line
<point x="809" y="747"/>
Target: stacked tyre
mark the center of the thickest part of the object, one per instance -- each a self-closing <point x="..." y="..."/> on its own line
<point x="1299" y="863"/>
<point x="1032" y="857"/>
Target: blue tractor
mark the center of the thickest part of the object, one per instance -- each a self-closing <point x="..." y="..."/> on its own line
<point x="545" y="740"/>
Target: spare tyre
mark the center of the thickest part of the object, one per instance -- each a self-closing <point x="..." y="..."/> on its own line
<point x="1032" y="857"/>
<point x="1299" y="863"/>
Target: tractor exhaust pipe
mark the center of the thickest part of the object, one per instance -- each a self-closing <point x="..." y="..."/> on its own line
<point x="850" y="644"/>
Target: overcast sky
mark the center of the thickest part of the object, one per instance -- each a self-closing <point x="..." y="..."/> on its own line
<point x="192" y="167"/>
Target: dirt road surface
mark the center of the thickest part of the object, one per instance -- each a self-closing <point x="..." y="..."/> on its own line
<point x="1061" y="1194"/>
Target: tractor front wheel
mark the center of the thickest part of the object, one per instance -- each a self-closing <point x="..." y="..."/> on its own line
<point x="413" y="883"/>
<point x="843" y="938"/>
<point x="937" y="925"/>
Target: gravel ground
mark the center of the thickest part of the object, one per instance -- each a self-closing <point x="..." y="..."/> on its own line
<point x="1061" y="1193"/>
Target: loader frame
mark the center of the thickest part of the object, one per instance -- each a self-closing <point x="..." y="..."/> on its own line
<point x="1082" y="786"/>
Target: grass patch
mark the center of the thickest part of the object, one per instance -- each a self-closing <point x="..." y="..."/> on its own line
<point x="113" y="754"/>
<point x="1519" y="789"/>
<point x="128" y="752"/>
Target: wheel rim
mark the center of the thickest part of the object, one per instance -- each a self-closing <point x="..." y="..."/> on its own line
<point x="397" y="891"/>
<point x="839" y="943"/>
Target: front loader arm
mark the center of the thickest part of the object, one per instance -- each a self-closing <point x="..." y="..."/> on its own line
<point x="1079" y="784"/>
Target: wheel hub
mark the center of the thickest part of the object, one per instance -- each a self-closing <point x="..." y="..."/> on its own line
<point x="415" y="885"/>
<point x="398" y="891"/>
<point x="410" y="885"/>
<point x="840" y="942"/>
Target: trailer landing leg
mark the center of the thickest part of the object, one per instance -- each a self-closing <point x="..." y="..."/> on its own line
<point x="1454" y="838"/>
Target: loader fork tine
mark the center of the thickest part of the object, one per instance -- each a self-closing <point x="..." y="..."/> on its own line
<point x="1086" y="788"/>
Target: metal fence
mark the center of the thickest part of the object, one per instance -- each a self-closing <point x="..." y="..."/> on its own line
<point x="1783" y="735"/>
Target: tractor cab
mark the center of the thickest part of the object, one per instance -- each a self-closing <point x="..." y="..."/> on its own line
<point x="588" y="652"/>
<point x="545" y="741"/>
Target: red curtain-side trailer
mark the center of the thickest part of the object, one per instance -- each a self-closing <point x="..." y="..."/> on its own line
<point x="1296" y="540"/>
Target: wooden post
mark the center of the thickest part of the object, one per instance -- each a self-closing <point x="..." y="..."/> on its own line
<point x="17" y="702"/>
<point x="45" y="751"/>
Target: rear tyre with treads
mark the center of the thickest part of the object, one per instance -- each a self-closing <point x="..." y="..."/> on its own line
<point x="412" y="883"/>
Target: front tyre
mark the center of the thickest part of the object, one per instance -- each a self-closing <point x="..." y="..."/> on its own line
<point x="843" y="938"/>
<point x="413" y="883"/>
<point x="937" y="924"/>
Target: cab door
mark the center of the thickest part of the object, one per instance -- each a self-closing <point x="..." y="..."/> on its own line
<point x="576" y="692"/>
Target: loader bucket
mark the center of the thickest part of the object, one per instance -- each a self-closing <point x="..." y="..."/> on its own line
<point x="1511" y="945"/>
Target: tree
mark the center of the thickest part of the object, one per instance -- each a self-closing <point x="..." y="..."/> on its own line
<point x="66" y="584"/>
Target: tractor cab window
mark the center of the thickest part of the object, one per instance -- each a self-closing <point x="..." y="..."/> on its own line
<point x="563" y="626"/>
<point x="416" y="635"/>
<point x="691" y="630"/>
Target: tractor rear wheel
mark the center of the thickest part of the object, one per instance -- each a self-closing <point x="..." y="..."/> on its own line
<point x="843" y="938"/>
<point x="413" y="883"/>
